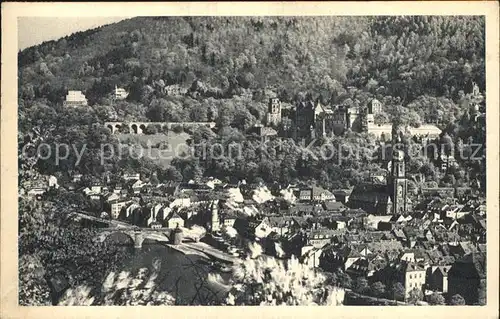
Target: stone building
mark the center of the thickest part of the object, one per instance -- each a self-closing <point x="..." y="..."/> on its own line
<point x="120" y="93"/>
<point x="413" y="277"/>
<point x="304" y="120"/>
<point x="381" y="199"/>
<point x="312" y="120"/>
<point x="75" y="98"/>
<point x="273" y="112"/>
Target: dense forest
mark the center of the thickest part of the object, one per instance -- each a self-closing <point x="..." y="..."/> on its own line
<point x="421" y="67"/>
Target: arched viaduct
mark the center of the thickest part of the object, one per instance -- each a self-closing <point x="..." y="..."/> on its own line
<point x="140" y="127"/>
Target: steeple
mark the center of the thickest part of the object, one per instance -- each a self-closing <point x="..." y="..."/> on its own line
<point x="398" y="182"/>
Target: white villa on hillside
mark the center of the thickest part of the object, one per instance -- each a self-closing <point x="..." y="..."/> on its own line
<point x="75" y="98"/>
<point x="120" y="93"/>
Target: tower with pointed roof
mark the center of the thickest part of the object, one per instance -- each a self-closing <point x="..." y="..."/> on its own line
<point x="398" y="183"/>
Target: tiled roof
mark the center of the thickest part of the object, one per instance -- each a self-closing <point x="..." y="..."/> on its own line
<point x="279" y="221"/>
<point x="383" y="246"/>
<point x="411" y="266"/>
<point x="175" y="215"/>
<point x="334" y="206"/>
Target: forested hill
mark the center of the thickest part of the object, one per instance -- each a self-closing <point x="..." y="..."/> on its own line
<point x="334" y="58"/>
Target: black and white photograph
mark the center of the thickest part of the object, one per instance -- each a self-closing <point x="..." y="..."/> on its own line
<point x="253" y="160"/>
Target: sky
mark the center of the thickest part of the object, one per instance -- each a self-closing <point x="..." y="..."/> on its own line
<point x="35" y="30"/>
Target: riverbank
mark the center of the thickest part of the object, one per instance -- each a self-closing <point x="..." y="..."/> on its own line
<point x="183" y="249"/>
<point x="212" y="252"/>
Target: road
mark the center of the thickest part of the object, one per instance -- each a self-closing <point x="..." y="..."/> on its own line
<point x="211" y="251"/>
<point x="111" y="223"/>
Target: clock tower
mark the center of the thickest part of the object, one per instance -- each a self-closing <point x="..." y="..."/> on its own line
<point x="398" y="183"/>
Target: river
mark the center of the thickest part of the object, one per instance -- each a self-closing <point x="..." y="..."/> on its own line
<point x="180" y="274"/>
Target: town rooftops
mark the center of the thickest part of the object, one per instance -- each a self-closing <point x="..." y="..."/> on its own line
<point x="119" y="200"/>
<point x="442" y="269"/>
<point x="175" y="216"/>
<point x="334" y="206"/>
<point x="406" y="266"/>
<point x="386" y="129"/>
<point x="323" y="233"/>
<point x="279" y="221"/>
<point x="343" y="192"/>
<point x="314" y="192"/>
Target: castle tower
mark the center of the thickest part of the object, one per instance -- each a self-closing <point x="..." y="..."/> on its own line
<point x="398" y="186"/>
<point x="274" y="112"/>
<point x="364" y="119"/>
<point x="374" y="107"/>
<point x="214" y="222"/>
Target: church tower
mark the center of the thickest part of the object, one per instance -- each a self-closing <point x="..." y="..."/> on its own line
<point x="214" y="223"/>
<point x="398" y="183"/>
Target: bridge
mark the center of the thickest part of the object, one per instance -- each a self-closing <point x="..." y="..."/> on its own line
<point x="140" y="127"/>
<point x="137" y="236"/>
<point x="78" y="216"/>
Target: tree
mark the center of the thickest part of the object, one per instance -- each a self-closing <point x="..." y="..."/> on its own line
<point x="344" y="280"/>
<point x="53" y="249"/>
<point x="457" y="300"/>
<point x="151" y="130"/>
<point x="361" y="285"/>
<point x="264" y="280"/>
<point x="121" y="289"/>
<point x="377" y="289"/>
<point x="436" y="299"/>
<point x="33" y="288"/>
<point x="398" y="291"/>
<point x="154" y="179"/>
<point x="415" y="296"/>
<point x="177" y="128"/>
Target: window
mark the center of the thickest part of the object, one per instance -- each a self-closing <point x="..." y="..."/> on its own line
<point x="410" y="276"/>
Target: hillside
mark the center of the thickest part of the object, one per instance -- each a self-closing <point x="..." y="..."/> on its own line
<point x="232" y="65"/>
<point x="402" y="57"/>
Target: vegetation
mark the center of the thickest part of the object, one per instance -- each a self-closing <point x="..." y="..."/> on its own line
<point x="267" y="281"/>
<point x="377" y="289"/>
<point x="121" y="289"/>
<point x="457" y="300"/>
<point x="398" y="291"/>
<point x="415" y="296"/>
<point x="436" y="299"/>
<point x="421" y="68"/>
<point x="56" y="254"/>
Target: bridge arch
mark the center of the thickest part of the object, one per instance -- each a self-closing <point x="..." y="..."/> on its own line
<point x="142" y="127"/>
<point x="117" y="127"/>
<point x="119" y="237"/>
<point x="134" y="128"/>
<point x="110" y="127"/>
